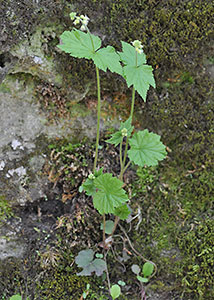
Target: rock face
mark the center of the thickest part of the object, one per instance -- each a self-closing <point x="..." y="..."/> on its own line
<point x="27" y="29"/>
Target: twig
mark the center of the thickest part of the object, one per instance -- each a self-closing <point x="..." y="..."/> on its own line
<point x="137" y="253"/>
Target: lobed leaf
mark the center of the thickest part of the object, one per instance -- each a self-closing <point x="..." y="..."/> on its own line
<point x="140" y="77"/>
<point x="88" y="187"/>
<point x="85" y="260"/>
<point x="116" y="138"/>
<point x="109" y="193"/>
<point x="128" y="55"/>
<point x="122" y="211"/>
<point x="135" y="70"/>
<point x="78" y="43"/>
<point x="107" y="58"/>
<point x="146" y="148"/>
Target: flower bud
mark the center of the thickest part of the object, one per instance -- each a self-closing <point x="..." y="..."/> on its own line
<point x="91" y="176"/>
<point x="138" y="46"/>
<point x="84" y="19"/>
<point x="77" y="21"/>
<point x="83" y="28"/>
<point x="72" y="15"/>
<point x="124" y="132"/>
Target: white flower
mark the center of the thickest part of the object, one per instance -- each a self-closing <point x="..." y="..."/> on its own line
<point x="83" y="28"/>
<point x="138" y="46"/>
<point x="77" y="21"/>
<point x="84" y="19"/>
<point x="139" y="50"/>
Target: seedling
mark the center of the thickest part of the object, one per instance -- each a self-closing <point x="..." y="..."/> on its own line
<point x="147" y="270"/>
<point x="141" y="148"/>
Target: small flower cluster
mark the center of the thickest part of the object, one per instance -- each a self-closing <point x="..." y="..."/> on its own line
<point x="77" y="20"/>
<point x="91" y="176"/>
<point x="138" y="46"/>
<point x="124" y="132"/>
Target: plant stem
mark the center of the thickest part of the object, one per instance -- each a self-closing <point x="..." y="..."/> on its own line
<point x="107" y="273"/>
<point x="104" y="229"/>
<point x="121" y="155"/>
<point x="122" y="165"/>
<point x="98" y="117"/>
<point x="132" y="105"/>
<point x="98" y="104"/>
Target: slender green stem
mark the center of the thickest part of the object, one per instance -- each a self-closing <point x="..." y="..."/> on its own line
<point x="116" y="221"/>
<point x="121" y="154"/>
<point x="107" y="273"/>
<point x="104" y="229"/>
<point x="132" y="105"/>
<point x="98" y="105"/>
<point x="124" y="169"/>
<point x="98" y="117"/>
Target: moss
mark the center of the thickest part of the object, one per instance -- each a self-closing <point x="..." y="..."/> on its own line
<point x="62" y="285"/>
<point x="170" y="30"/>
<point x="177" y="227"/>
<point x="197" y="265"/>
<point x="5" y="209"/>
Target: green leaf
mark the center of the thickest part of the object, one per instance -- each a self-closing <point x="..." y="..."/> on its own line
<point x="122" y="211"/>
<point x="88" y="187"/>
<point x="146" y="148"/>
<point x="140" y="77"/>
<point x="142" y="279"/>
<point x="109" y="226"/>
<point x="128" y="55"/>
<point x="135" y="269"/>
<point x="85" y="260"/>
<point x="84" y="257"/>
<point x="135" y="70"/>
<point x="115" y="291"/>
<point x="122" y="283"/>
<point x="107" y="58"/>
<point x="78" y="43"/>
<point x="148" y="269"/>
<point x="16" y="297"/>
<point x="109" y="193"/>
<point x="116" y="138"/>
<point x="98" y="172"/>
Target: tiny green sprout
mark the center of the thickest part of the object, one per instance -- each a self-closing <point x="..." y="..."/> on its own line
<point x="147" y="271"/>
